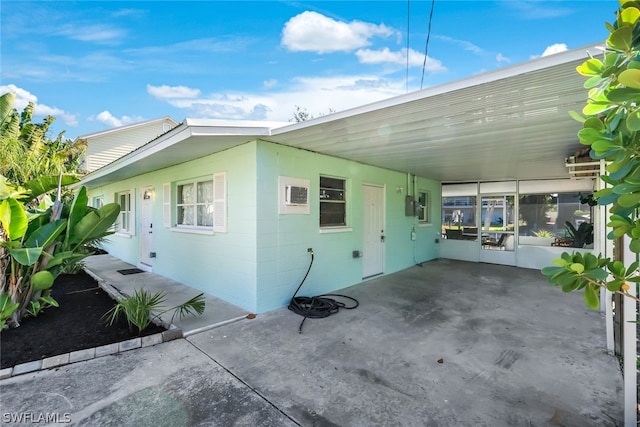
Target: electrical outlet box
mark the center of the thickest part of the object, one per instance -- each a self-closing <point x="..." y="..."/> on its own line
<point x="409" y="206"/>
<point x="356" y="254"/>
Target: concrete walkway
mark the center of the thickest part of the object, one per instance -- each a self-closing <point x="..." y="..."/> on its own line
<point x="217" y="312"/>
<point x="447" y="344"/>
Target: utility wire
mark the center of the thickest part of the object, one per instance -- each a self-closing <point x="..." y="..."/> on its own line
<point x="408" y="33"/>
<point x="426" y="46"/>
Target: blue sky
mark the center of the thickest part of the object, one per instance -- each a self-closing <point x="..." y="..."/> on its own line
<point x="99" y="64"/>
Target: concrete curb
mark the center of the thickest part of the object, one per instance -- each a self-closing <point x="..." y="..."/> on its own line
<point x="172" y="333"/>
<point x="90" y="353"/>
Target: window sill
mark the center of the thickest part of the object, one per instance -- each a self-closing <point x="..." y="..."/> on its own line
<point x="328" y="230"/>
<point x="190" y="230"/>
<point x="425" y="224"/>
<point x="124" y="234"/>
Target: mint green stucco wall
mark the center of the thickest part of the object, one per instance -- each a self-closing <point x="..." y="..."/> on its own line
<point x="283" y="239"/>
<point x="259" y="262"/>
<point x="222" y="264"/>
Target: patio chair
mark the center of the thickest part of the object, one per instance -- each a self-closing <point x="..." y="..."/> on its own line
<point x="453" y="234"/>
<point x="492" y="244"/>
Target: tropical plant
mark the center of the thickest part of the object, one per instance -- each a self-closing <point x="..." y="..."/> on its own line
<point x="40" y="235"/>
<point x="543" y="233"/>
<point x="143" y="307"/>
<point x="36" y="243"/>
<point x="27" y="152"/>
<point x="611" y="128"/>
<point x="581" y="236"/>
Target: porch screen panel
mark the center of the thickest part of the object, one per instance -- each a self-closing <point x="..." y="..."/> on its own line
<point x="459" y="205"/>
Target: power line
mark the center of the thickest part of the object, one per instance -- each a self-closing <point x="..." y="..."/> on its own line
<point x="426" y="46"/>
<point x="408" y="20"/>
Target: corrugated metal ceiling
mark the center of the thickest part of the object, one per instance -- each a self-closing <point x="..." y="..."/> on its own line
<point x="514" y="127"/>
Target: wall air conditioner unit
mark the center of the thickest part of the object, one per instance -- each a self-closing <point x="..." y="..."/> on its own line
<point x="296" y="196"/>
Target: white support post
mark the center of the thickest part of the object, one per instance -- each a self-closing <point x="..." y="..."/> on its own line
<point x="629" y="352"/>
<point x="605" y="247"/>
<point x="607" y="301"/>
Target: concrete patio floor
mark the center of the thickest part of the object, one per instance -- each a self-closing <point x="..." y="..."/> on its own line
<point x="447" y="344"/>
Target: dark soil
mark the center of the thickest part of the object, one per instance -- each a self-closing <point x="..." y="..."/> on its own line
<point x="76" y="325"/>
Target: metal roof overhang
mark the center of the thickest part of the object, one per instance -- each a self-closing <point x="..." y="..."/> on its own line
<point x="508" y="124"/>
<point x="192" y="139"/>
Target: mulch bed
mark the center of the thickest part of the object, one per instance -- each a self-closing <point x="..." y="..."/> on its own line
<point x="76" y="325"/>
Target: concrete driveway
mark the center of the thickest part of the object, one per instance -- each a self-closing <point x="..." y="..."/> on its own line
<point x="446" y="344"/>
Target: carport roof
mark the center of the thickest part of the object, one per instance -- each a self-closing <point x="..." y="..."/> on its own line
<point x="511" y="123"/>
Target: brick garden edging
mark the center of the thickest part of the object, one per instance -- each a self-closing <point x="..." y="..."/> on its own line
<point x="90" y="353"/>
<point x="172" y="333"/>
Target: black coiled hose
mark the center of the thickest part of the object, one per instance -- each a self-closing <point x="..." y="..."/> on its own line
<point x="317" y="307"/>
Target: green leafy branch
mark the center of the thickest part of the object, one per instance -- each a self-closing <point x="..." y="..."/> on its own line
<point x="589" y="272"/>
<point x="611" y="128"/>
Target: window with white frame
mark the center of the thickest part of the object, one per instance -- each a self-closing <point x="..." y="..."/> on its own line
<point x="333" y="202"/>
<point x="198" y="205"/>
<point x="423" y="207"/>
<point x="97" y="202"/>
<point x="125" y="223"/>
<point x="556" y="219"/>
<point x="194" y="204"/>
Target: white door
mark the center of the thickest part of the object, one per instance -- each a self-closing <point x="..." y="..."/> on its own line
<point x="499" y="229"/>
<point x="373" y="230"/>
<point x="146" y="228"/>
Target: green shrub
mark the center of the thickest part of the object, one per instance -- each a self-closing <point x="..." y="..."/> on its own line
<point x="140" y="307"/>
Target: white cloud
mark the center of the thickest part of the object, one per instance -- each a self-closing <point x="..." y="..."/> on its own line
<point x="501" y="58"/>
<point x="171" y="92"/>
<point x="313" y="32"/>
<point x="554" y="48"/>
<point x="128" y="12"/>
<point x="318" y="95"/>
<point x="110" y="120"/>
<point x="416" y="59"/>
<point x="466" y="45"/>
<point x="24" y="97"/>
<point x="98" y="33"/>
<point x="537" y="9"/>
<point x="268" y="84"/>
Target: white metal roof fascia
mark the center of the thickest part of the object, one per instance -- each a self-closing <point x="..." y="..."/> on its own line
<point x="236" y="127"/>
<point x="126" y="127"/>
<point x="502" y="73"/>
<point x="187" y="129"/>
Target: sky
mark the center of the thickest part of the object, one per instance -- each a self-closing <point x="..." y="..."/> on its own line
<point x="95" y="65"/>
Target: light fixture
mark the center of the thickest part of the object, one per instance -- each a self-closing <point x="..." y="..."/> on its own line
<point x="147" y="194"/>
